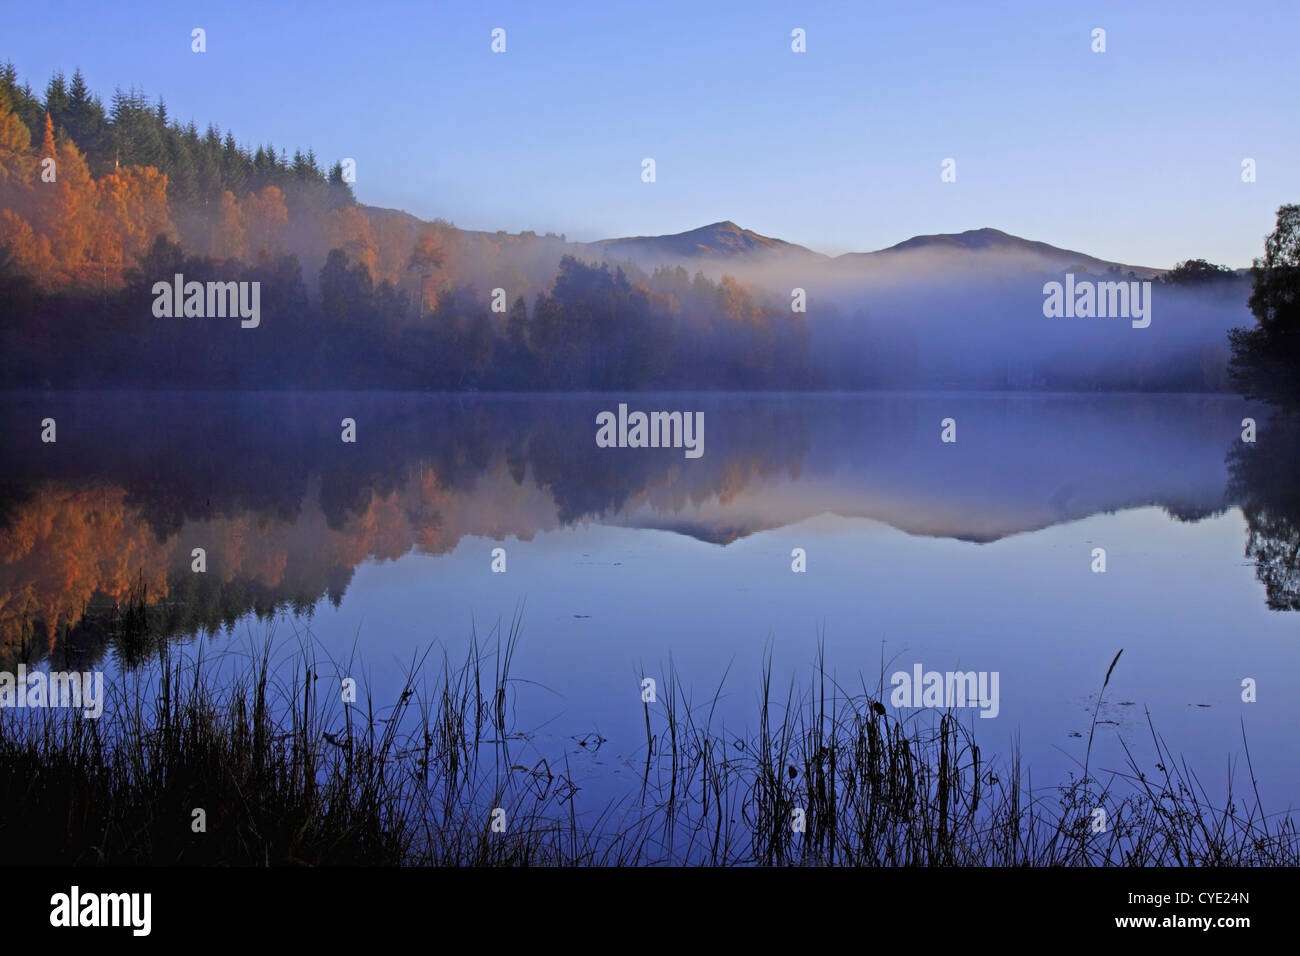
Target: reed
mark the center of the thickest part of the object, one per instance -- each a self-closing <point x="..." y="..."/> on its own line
<point x="286" y="773"/>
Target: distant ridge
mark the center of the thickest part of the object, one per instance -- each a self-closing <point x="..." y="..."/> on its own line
<point x="989" y="240"/>
<point x="725" y="242"/>
<point x="719" y="240"/>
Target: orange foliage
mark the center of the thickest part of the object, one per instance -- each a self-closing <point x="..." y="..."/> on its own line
<point x="17" y="164"/>
<point x="393" y="238"/>
<point x="349" y="229"/>
<point x="76" y="231"/>
<point x="66" y="545"/>
<point x="30" y="251"/>
<point x="426" y="258"/>
<point x="265" y="219"/>
<point x="737" y="302"/>
<point x="228" y="232"/>
<point x="72" y="227"/>
<point x="133" y="211"/>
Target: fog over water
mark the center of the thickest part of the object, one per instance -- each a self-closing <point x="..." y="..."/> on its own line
<point x="973" y="555"/>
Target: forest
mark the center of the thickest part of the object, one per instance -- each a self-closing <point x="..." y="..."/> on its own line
<point x="99" y="203"/>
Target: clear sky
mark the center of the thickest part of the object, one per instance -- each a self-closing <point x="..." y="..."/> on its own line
<point x="1132" y="155"/>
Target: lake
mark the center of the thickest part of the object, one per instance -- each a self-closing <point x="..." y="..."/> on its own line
<point x="978" y="554"/>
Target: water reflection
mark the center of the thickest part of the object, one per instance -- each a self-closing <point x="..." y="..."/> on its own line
<point x="103" y="524"/>
<point x="1265" y="482"/>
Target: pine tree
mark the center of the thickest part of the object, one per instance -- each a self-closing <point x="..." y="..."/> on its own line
<point x="137" y="134"/>
<point x="87" y="125"/>
<point x="340" y="191"/>
<point x="22" y="101"/>
<point x="56" y="101"/>
<point x="235" y="165"/>
<point x="182" y="176"/>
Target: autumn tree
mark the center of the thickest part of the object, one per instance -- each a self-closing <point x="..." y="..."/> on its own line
<point x="425" y="259"/>
<point x="17" y="164"/>
<point x="28" y="252"/>
<point x="132" y="212"/>
<point x="265" y="219"/>
<point x="44" y="196"/>
<point x="348" y="228"/>
<point x="228" y="230"/>
<point x="72" y="224"/>
<point x="393" y="239"/>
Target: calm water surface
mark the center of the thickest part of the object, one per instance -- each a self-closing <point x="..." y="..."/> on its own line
<point x="969" y="556"/>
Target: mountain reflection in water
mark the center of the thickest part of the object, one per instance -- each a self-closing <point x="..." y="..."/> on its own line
<point x="285" y="511"/>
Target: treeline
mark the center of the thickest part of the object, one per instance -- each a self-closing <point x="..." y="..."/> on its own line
<point x="97" y="205"/>
<point x="1265" y="366"/>
<point x="86" y="188"/>
<point x="1266" y="357"/>
<point x="1199" y="272"/>
<point x="599" y="327"/>
<point x="200" y="167"/>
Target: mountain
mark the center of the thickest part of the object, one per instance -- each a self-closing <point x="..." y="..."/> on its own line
<point x="727" y="247"/>
<point x="984" y="245"/>
<point x="727" y="244"/>
<point x="718" y="241"/>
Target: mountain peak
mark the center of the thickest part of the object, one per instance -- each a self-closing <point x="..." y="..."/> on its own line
<point x="984" y="238"/>
<point x="718" y="240"/>
<point x="1003" y="244"/>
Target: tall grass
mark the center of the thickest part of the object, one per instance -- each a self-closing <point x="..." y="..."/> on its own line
<point x="286" y="773"/>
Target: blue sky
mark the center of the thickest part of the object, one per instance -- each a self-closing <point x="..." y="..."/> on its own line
<point x="1133" y="154"/>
